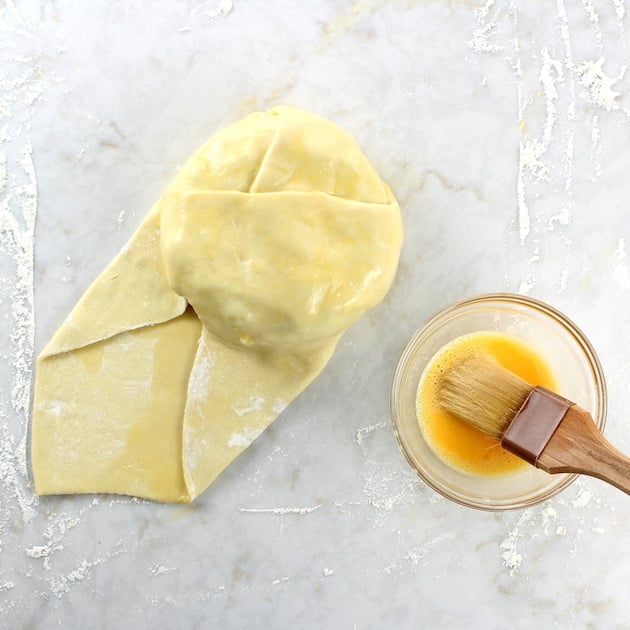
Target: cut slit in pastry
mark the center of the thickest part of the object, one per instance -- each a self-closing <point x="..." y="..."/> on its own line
<point x="275" y="236"/>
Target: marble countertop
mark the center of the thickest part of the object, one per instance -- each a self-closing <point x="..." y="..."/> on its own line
<point x="503" y="129"/>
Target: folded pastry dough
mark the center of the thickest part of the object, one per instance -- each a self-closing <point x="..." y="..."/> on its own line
<point x="275" y="236"/>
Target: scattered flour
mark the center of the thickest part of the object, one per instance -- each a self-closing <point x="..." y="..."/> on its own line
<point x="485" y="30"/>
<point x="598" y="84"/>
<point x="38" y="551"/>
<point x="527" y="285"/>
<point x="300" y="511"/>
<point x="81" y="572"/>
<point x="531" y="166"/>
<point x="548" y="515"/>
<point x="559" y="80"/>
<point x="416" y="556"/>
<point x="244" y="438"/>
<point x="562" y="282"/>
<point x="225" y="7"/>
<point x="583" y="499"/>
<point x="365" y="431"/>
<point x="18" y="212"/>
<point x="563" y="218"/>
<point x="512" y="559"/>
<point x="160" y="569"/>
<point x="620" y="272"/>
<point x="205" y="13"/>
<point x="255" y="404"/>
<point x="385" y="486"/>
<point x="596" y="148"/>
<point x="620" y="10"/>
<point x="282" y="580"/>
<point x="120" y="220"/>
<point x="60" y="584"/>
<point x="593" y="16"/>
<point x="524" y="221"/>
<point x="535" y="520"/>
<point x="279" y="405"/>
<point x="201" y="376"/>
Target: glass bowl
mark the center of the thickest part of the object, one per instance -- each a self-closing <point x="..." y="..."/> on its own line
<point x="558" y="341"/>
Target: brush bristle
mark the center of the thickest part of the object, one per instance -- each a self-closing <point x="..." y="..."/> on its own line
<point x="483" y="394"/>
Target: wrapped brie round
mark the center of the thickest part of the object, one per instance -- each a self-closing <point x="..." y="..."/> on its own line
<point x="279" y="234"/>
<point x="278" y="231"/>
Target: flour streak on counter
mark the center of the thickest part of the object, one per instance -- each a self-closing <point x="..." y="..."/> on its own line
<point x="541" y="519"/>
<point x="509" y="547"/>
<point x="593" y="16"/>
<point x="18" y="211"/>
<point x="61" y="584"/>
<point x="160" y="569"/>
<point x="365" y="431"/>
<point x="386" y="488"/>
<point x="620" y="272"/>
<point x="417" y="557"/>
<point x="281" y="511"/>
<point x="485" y="29"/>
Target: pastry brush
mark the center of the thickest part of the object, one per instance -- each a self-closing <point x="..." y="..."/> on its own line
<point x="546" y="430"/>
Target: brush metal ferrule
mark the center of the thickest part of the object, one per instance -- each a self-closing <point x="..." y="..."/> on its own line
<point x="534" y="424"/>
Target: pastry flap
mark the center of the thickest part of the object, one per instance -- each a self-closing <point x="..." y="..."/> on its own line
<point x="130" y="293"/>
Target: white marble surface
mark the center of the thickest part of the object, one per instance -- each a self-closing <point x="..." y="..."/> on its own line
<point x="503" y="129"/>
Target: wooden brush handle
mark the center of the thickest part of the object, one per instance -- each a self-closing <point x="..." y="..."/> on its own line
<point x="577" y="446"/>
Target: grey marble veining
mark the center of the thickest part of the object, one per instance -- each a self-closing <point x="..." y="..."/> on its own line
<point x="502" y="128"/>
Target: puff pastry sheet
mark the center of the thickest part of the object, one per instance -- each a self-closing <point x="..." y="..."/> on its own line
<point x="225" y="304"/>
